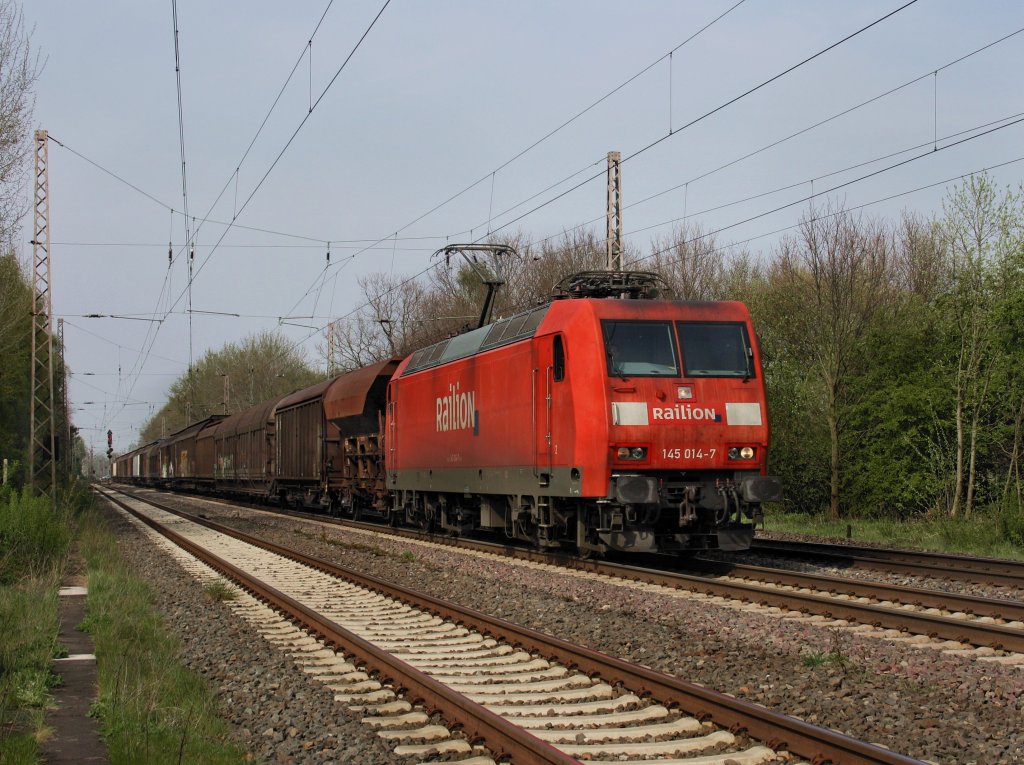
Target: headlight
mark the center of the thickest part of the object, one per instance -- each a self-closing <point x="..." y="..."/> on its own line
<point x="631" y="453"/>
<point x="741" y="453"/>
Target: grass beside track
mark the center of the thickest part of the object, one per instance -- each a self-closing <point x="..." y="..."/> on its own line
<point x="28" y="630"/>
<point x="34" y="541"/>
<point x="152" y="709"/>
<point x="980" y="535"/>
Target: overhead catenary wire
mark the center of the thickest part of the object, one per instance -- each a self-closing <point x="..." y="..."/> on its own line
<point x="340" y="242"/>
<point x="194" y="274"/>
<point x="822" y="122"/>
<point x="234" y="224"/>
<point x="238" y="165"/>
<point x="291" y="139"/>
<point x="801" y="183"/>
<point x="1011" y="120"/>
<point x="824" y="216"/>
<point x="835" y="188"/>
<point x="342" y="263"/>
<point x="796" y="184"/>
<point x="165" y="288"/>
<point x="746" y="220"/>
<point x="314" y="247"/>
<point x="121" y="346"/>
<point x="136" y="188"/>
<point x="713" y="111"/>
<point x="550" y="134"/>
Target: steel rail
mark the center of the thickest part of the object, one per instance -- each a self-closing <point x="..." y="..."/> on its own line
<point x="503" y="738"/>
<point x="920" y="563"/>
<point x="933" y="625"/>
<point x="777" y="730"/>
<point x="997" y="608"/>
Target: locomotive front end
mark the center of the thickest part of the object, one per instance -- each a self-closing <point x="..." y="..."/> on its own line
<point x="687" y="429"/>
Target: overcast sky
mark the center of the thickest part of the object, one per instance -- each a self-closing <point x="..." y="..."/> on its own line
<point x="442" y="94"/>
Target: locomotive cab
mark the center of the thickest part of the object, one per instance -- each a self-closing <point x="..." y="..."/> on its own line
<point x="688" y="431"/>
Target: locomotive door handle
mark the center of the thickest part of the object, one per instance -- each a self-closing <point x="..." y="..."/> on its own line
<point x="549" y="381"/>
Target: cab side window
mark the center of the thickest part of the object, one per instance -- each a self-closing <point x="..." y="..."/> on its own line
<point x="558" y="359"/>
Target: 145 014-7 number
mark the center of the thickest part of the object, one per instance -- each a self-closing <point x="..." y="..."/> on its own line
<point x="688" y="454"/>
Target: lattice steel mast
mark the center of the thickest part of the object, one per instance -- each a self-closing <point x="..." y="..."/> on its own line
<point x="613" y="235"/>
<point x="66" y="446"/>
<point x="42" y="451"/>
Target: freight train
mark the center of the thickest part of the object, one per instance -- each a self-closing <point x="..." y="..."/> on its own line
<point x="606" y="419"/>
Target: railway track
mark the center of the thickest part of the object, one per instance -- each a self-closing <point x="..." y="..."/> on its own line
<point x="913" y="562"/>
<point x="526" y="695"/>
<point x="986" y="627"/>
<point x="993" y="622"/>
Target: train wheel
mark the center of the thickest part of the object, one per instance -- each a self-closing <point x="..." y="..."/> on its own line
<point x="426" y="523"/>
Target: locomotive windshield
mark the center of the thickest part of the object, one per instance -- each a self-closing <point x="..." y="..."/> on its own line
<point x="716" y="350"/>
<point x="640" y="348"/>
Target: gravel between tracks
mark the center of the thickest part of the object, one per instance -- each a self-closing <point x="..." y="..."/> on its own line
<point x="917" y="701"/>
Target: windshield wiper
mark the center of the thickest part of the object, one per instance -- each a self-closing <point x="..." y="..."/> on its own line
<point x="613" y="365"/>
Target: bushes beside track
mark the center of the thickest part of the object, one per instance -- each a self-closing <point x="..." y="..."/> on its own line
<point x="33" y="538"/>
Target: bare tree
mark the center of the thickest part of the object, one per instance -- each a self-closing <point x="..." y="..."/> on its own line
<point x="19" y="70"/>
<point x="921" y="265"/>
<point x="691" y="262"/>
<point x="388" y="325"/>
<point x="557" y="257"/>
<point x="830" y="284"/>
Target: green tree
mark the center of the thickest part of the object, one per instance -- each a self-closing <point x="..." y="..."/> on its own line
<point x="15" y="369"/>
<point x="982" y="231"/>
<point x="19" y="69"/>
<point x="829" y="286"/>
<point x="231" y="380"/>
<point x="895" y="444"/>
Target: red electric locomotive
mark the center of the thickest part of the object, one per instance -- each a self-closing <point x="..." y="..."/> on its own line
<point x="626" y="424"/>
<point x="604" y="420"/>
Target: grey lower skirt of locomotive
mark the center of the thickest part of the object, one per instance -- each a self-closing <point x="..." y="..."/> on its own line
<point x="652" y="512"/>
<point x="676" y="513"/>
